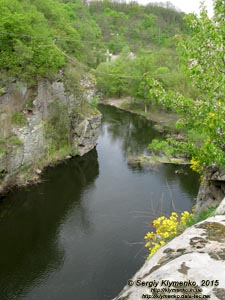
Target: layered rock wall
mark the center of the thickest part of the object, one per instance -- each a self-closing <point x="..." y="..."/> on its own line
<point x="25" y="143"/>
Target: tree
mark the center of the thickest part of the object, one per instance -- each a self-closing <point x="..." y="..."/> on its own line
<point x="144" y="91"/>
<point x="204" y="59"/>
<point x="113" y="77"/>
<point x="38" y="36"/>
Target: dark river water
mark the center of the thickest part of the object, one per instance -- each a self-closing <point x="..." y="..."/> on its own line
<point x="78" y="235"/>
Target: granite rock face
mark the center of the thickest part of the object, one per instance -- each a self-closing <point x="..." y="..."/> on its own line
<point x="85" y="132"/>
<point x="193" y="262"/>
<point x="27" y="143"/>
<point x="212" y="190"/>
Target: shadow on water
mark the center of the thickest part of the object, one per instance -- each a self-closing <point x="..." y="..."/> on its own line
<point x="30" y="220"/>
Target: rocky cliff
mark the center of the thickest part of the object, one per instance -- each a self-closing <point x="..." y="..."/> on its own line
<point x="41" y="125"/>
<point x="190" y="266"/>
<point x="212" y="189"/>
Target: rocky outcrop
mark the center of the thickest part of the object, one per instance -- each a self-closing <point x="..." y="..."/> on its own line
<point x="33" y="119"/>
<point x="191" y="264"/>
<point x="151" y="162"/>
<point x="221" y="208"/>
<point x="85" y="132"/>
<point x="212" y="190"/>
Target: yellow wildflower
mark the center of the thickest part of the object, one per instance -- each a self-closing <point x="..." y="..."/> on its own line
<point x="166" y="228"/>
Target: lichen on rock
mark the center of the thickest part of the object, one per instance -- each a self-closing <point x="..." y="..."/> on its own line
<point x="197" y="255"/>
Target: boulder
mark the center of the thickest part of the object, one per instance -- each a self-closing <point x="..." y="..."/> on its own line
<point x="190" y="264"/>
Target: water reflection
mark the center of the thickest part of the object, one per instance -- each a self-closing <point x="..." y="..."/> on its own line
<point x="30" y="220"/>
<point x="134" y="131"/>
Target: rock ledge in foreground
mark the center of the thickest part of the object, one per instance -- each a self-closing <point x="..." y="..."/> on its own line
<point x="197" y="255"/>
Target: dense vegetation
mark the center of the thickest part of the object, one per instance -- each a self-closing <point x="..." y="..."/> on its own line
<point x="203" y="115"/>
<point x="126" y="75"/>
<point x="136" y="26"/>
<point x="40" y="37"/>
<point x="192" y="84"/>
<point x="142" y="40"/>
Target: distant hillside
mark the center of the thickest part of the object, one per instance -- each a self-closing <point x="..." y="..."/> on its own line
<point x="137" y="26"/>
<point x="166" y="4"/>
<point x="39" y="37"/>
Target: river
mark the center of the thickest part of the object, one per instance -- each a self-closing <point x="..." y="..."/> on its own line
<point x="78" y="235"/>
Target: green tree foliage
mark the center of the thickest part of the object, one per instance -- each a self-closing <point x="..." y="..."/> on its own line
<point x="203" y="56"/>
<point x="148" y="31"/>
<point x="136" y="25"/>
<point x="126" y="75"/>
<point x="113" y="78"/>
<point x="38" y="36"/>
<point x="20" y="53"/>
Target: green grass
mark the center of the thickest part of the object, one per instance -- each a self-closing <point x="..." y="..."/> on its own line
<point x="29" y="104"/>
<point x="14" y="141"/>
<point x="203" y="215"/>
<point x="18" y="118"/>
<point x="3" y="147"/>
<point x="7" y="142"/>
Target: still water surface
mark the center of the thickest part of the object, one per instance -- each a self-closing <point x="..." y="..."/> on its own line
<point x="79" y="234"/>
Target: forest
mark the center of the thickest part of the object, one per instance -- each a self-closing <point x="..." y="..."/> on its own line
<point x="38" y="37"/>
<point x="150" y="53"/>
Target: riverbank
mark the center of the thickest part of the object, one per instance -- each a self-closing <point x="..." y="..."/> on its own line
<point x="164" y="121"/>
<point x="150" y="162"/>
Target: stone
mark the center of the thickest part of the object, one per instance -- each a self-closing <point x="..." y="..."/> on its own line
<point x="151" y="162"/>
<point x="85" y="132"/>
<point x="201" y="262"/>
<point x="88" y="84"/>
<point x="212" y="190"/>
<point x="221" y="208"/>
<point x="30" y="142"/>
